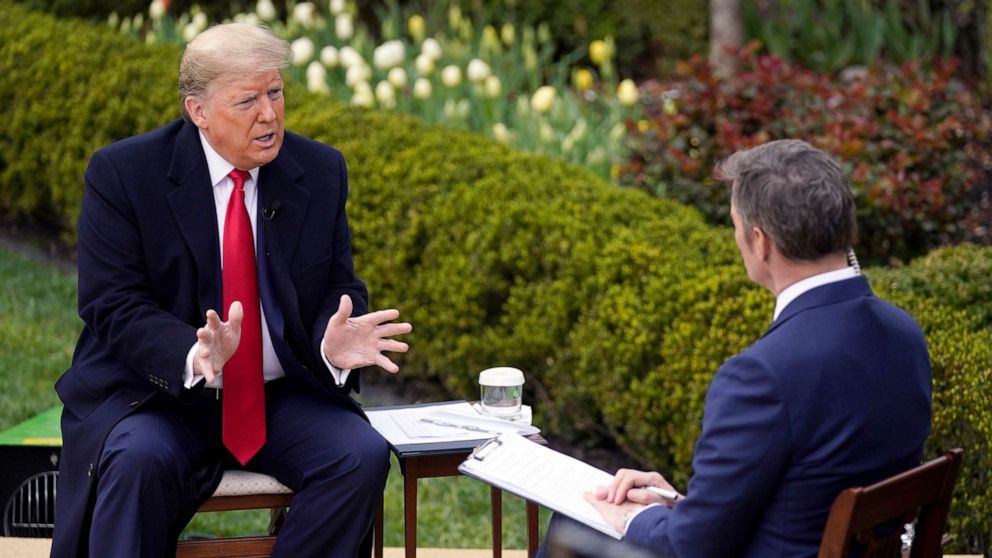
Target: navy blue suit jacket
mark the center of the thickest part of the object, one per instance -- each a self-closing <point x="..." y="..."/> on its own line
<point x="835" y="394"/>
<point x="149" y="269"/>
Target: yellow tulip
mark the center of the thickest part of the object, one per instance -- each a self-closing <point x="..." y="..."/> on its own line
<point x="627" y="93"/>
<point x="582" y="79"/>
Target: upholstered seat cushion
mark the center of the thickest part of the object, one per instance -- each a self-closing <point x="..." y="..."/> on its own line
<point x="246" y="483"/>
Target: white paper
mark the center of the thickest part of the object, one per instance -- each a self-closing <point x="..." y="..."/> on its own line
<point x="403" y="426"/>
<point x="542" y="475"/>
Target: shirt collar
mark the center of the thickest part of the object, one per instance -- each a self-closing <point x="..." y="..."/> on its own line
<point x="219" y="168"/>
<point x="793" y="291"/>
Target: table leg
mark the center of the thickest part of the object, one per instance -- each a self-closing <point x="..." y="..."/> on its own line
<point x="496" y="501"/>
<point x="410" y="514"/>
<point x="377" y="534"/>
<point x="531" y="529"/>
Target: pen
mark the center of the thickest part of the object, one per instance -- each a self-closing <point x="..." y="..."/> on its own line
<point x="471" y="427"/>
<point x="666" y="494"/>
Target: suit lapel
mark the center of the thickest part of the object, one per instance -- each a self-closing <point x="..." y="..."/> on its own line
<point x="192" y="204"/>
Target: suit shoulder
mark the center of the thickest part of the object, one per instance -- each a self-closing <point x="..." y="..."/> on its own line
<point x="144" y="144"/>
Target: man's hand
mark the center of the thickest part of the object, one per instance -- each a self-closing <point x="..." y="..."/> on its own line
<point x="614" y="514"/>
<point x="626" y="487"/>
<point x="357" y="342"/>
<point x="217" y="341"/>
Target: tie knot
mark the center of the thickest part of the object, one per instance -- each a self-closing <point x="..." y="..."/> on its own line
<point x="239" y="177"/>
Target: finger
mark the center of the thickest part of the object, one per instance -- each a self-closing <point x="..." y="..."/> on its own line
<point x="208" y="371"/>
<point x="204" y="336"/>
<point x="641" y="496"/>
<point x="235" y="314"/>
<point x="389" y="330"/>
<point x="389" y="366"/>
<point x="213" y="320"/>
<point x="393" y="346"/>
<point x="601" y="492"/>
<point x="343" y="313"/>
<point x="380" y="316"/>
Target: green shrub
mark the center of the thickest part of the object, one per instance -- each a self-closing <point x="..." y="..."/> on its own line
<point x="913" y="140"/>
<point x="618" y="305"/>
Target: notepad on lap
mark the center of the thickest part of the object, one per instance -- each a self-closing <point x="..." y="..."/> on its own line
<point x="541" y="475"/>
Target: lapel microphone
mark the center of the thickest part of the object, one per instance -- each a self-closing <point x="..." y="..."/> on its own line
<point x="269" y="212"/>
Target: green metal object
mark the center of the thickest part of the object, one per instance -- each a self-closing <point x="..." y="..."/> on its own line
<point x="39" y="430"/>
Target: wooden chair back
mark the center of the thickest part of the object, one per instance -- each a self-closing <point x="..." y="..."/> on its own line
<point x="922" y="494"/>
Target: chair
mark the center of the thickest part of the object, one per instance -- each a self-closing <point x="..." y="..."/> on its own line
<point x="922" y="494"/>
<point x="30" y="510"/>
<point x="241" y="490"/>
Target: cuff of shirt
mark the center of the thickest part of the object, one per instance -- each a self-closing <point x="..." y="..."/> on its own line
<point x="340" y="375"/>
<point x="191" y="378"/>
<point x="630" y="516"/>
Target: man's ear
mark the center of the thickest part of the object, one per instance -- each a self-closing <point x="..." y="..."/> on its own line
<point x="195" y="110"/>
<point x="761" y="243"/>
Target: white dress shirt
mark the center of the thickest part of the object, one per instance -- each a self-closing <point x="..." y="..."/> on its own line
<point x="223" y="187"/>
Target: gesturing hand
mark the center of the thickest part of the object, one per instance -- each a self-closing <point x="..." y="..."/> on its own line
<point x="356" y="342"/>
<point x="217" y="341"/>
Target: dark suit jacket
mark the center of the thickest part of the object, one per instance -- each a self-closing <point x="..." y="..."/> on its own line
<point x="835" y="394"/>
<point x="149" y="269"/>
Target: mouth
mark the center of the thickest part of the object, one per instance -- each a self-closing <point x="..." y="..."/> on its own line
<point x="266" y="140"/>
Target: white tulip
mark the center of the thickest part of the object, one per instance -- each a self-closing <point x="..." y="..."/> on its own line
<point x="344" y="28"/>
<point x="363" y="98"/>
<point x="317" y="78"/>
<point x="451" y="76"/>
<point x="200" y="20"/>
<point x="156" y="10"/>
<point x="251" y="18"/>
<point x="507" y="34"/>
<point x="478" y="71"/>
<point x="424" y="64"/>
<point x="501" y="132"/>
<point x="389" y="55"/>
<point x="356" y="74"/>
<point x="329" y="56"/>
<point x="302" y="51"/>
<point x="337" y="6"/>
<point x="627" y="93"/>
<point x="265" y="10"/>
<point x="493" y="87"/>
<point x="422" y="89"/>
<point x="190" y="31"/>
<point x="462" y="108"/>
<point x="450" y="109"/>
<point x="617" y="132"/>
<point x="350" y="57"/>
<point x="305" y="13"/>
<point x="546" y="132"/>
<point x="596" y="156"/>
<point x="397" y="77"/>
<point x="385" y="94"/>
<point x="431" y="48"/>
<point x="543" y="99"/>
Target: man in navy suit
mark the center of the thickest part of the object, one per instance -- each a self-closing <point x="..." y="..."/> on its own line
<point x="164" y="219"/>
<point x="835" y="394"/>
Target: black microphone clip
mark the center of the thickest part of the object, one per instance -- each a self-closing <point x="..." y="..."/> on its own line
<point x="269" y="212"/>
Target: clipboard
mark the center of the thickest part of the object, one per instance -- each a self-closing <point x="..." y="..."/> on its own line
<point x="542" y="475"/>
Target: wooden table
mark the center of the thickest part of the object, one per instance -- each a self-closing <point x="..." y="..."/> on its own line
<point x="424" y="464"/>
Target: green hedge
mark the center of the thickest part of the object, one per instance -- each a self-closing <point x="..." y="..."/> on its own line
<point x="619" y="306"/>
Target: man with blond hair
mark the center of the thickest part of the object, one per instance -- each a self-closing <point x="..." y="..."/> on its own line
<point x="835" y="394"/>
<point x="223" y="322"/>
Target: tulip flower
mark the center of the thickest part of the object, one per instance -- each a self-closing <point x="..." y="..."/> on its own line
<point x="582" y="79"/>
<point x="189" y="32"/>
<point x="477" y="71"/>
<point x="329" y="56"/>
<point x="344" y="28"/>
<point x="501" y="133"/>
<point x="349" y="57"/>
<point x="356" y="74"/>
<point x="490" y="39"/>
<point x="266" y="10"/>
<point x="389" y="55"/>
<point x="543" y="99"/>
<point x="627" y="93"/>
<point x="493" y="87"/>
<point x="302" y="51"/>
<point x="317" y="78"/>
<point x="507" y="34"/>
<point x="416" y="27"/>
<point x="546" y="132"/>
<point x="451" y="76"/>
<point x="431" y="48"/>
<point x="422" y="89"/>
<point x="598" y="52"/>
<point x="363" y="96"/>
<point x="156" y="10"/>
<point x="305" y="13"/>
<point x="385" y="94"/>
<point x="424" y="64"/>
<point x="397" y="77"/>
<point x="337" y="6"/>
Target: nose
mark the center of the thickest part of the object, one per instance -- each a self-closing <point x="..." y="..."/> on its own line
<point x="266" y="110"/>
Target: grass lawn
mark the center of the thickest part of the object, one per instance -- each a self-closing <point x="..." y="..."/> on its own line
<point x="38" y="332"/>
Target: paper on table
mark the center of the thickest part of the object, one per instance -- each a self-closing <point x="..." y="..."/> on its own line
<point x="542" y="475"/>
<point x="402" y="426"/>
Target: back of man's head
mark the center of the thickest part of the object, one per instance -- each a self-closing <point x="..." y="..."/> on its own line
<point x="796" y="194"/>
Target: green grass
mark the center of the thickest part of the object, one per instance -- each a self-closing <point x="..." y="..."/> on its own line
<point x="38" y="330"/>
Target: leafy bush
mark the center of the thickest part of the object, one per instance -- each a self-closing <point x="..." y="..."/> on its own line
<point x="618" y="306"/>
<point x="912" y="138"/>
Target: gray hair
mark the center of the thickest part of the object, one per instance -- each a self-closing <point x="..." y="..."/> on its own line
<point x="796" y="194"/>
<point x="228" y="50"/>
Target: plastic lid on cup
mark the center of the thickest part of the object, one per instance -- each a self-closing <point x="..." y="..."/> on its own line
<point x="501" y="376"/>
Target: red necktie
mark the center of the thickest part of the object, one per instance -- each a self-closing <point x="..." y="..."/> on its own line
<point x="244" y="395"/>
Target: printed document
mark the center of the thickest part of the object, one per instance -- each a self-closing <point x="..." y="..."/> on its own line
<point x="541" y="475"/>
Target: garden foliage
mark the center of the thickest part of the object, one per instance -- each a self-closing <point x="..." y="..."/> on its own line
<point x="618" y="305"/>
<point x="914" y="140"/>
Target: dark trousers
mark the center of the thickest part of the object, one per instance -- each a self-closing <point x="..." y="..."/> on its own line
<point x="160" y="463"/>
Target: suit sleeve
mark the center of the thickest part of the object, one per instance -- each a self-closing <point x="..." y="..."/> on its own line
<point x="115" y="300"/>
<point x="739" y="457"/>
<point x="342" y="279"/>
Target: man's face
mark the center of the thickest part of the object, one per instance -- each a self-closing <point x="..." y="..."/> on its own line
<point x="242" y="118"/>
